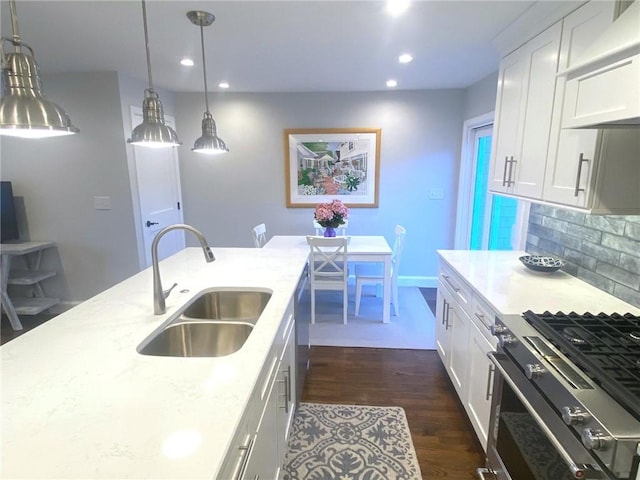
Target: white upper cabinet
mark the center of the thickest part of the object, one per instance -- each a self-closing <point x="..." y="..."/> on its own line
<point x="533" y="157"/>
<point x="595" y="170"/>
<point x="524" y="105"/>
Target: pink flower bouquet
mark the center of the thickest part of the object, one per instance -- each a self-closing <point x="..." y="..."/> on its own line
<point x="331" y="214"/>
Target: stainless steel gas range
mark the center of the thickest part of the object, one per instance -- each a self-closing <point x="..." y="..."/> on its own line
<point x="566" y="398"/>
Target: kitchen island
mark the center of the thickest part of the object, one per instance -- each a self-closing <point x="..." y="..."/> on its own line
<point x="79" y="401"/>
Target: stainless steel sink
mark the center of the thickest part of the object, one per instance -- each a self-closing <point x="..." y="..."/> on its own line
<point x="229" y="305"/>
<point x="216" y="323"/>
<point x="198" y="339"/>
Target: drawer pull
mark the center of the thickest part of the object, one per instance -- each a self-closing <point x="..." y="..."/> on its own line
<point x="245" y="450"/>
<point x="481" y="317"/>
<point x="448" y="279"/>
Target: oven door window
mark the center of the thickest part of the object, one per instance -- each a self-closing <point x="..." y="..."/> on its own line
<point x="525" y="451"/>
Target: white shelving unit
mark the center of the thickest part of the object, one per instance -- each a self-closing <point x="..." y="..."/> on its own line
<point x="29" y="276"/>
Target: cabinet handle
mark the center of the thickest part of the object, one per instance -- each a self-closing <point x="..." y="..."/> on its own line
<point x="448" y="279"/>
<point x="504" y="174"/>
<point x="245" y="450"/>
<point x="581" y="160"/>
<point x="509" y="181"/>
<point x="482" y="471"/>
<point x="480" y="317"/>
<point x="444" y="309"/>
<point x="446" y="325"/>
<point x="490" y="375"/>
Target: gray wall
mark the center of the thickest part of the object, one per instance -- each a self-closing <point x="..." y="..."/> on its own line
<point x="225" y="196"/>
<point x="603" y="250"/>
<point x="480" y="98"/>
<point x="57" y="178"/>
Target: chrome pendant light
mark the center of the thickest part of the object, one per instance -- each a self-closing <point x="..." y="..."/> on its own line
<point x="209" y="142"/>
<point x="152" y="132"/>
<point x="24" y="110"/>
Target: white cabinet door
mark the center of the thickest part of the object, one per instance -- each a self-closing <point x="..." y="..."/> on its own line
<point x="508" y="107"/>
<point x="524" y="102"/>
<point x="286" y="386"/>
<point x="572" y="153"/>
<point x="443" y="334"/>
<point x="459" y="322"/>
<point x="542" y="62"/>
<point x="480" y="383"/>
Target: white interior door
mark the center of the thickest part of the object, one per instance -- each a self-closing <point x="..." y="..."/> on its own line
<point x="160" y="197"/>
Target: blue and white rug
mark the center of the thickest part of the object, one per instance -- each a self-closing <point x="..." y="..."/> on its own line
<point x="350" y="442"/>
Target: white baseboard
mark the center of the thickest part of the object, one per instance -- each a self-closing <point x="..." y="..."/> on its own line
<point x="423" y="282"/>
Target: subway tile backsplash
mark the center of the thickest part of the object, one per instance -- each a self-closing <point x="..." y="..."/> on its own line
<point x="603" y="250"/>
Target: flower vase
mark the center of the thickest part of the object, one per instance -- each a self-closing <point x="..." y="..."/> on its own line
<point x="329" y="232"/>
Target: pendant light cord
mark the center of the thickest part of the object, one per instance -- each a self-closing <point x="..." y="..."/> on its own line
<point x="204" y="68"/>
<point x="146" y="44"/>
<point x="14" y="25"/>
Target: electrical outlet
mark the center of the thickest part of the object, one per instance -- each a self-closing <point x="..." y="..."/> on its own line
<point x="436" y="194"/>
<point x="102" y="203"/>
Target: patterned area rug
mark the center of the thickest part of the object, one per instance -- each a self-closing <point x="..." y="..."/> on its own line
<point x="350" y="442"/>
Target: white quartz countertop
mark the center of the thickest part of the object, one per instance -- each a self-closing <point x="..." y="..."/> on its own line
<point x="511" y="288"/>
<point x="79" y="402"/>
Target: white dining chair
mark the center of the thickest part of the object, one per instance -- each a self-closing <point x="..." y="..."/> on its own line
<point x="341" y="230"/>
<point x="373" y="273"/>
<point x="328" y="269"/>
<point x="259" y="235"/>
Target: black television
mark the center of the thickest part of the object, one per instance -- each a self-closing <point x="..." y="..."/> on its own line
<point x="9" y="225"/>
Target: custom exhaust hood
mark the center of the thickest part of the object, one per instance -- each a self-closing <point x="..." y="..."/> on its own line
<point x="603" y="86"/>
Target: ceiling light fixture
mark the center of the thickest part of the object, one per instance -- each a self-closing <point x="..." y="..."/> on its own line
<point x="187" y="62"/>
<point x="223" y="85"/>
<point x="397" y="7"/>
<point x="392" y="83"/>
<point x="209" y="142"/>
<point x="152" y="132"/>
<point x="405" y="58"/>
<point x="24" y="110"/>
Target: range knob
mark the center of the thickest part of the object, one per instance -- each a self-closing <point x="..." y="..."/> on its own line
<point x="534" y="370"/>
<point x="506" y="339"/>
<point x="574" y="415"/>
<point x="595" y="439"/>
<point x="497" y="329"/>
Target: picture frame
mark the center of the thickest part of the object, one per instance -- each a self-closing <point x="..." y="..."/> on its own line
<point x="323" y="164"/>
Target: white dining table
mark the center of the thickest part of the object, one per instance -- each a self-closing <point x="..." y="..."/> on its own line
<point x="361" y="248"/>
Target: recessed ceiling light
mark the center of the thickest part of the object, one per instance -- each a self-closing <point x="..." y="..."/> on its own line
<point x="392" y="83"/>
<point x="223" y="85"/>
<point x="397" y="7"/>
<point x="405" y="58"/>
<point x="186" y="62"/>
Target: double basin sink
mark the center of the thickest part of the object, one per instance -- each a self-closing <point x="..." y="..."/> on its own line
<point x="216" y="323"/>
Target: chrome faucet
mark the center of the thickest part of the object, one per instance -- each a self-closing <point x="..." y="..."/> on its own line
<point x="159" y="306"/>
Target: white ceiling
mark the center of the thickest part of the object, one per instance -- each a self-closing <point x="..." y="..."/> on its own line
<point x="271" y="46"/>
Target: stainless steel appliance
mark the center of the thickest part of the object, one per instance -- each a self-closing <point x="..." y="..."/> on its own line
<point x="566" y="398"/>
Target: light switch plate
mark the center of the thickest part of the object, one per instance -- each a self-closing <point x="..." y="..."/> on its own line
<point x="436" y="194"/>
<point x="102" y="203"/>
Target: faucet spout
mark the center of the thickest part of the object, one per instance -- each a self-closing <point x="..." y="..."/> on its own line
<point x="159" y="305"/>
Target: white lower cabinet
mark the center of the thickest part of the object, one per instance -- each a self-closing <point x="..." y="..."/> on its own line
<point x="463" y="339"/>
<point x="260" y="444"/>
<point x="478" y="399"/>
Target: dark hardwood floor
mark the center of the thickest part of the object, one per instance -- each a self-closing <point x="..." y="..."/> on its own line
<point x="415" y="380"/>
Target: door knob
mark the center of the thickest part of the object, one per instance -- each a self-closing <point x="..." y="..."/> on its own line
<point x="149" y="223"/>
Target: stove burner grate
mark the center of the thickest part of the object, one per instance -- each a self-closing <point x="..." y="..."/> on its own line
<point x="604" y="346"/>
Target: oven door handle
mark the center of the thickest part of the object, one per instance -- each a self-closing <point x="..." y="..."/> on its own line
<point x="574" y="454"/>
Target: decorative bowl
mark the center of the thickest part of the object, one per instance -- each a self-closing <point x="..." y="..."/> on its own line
<point x="541" y="263"/>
